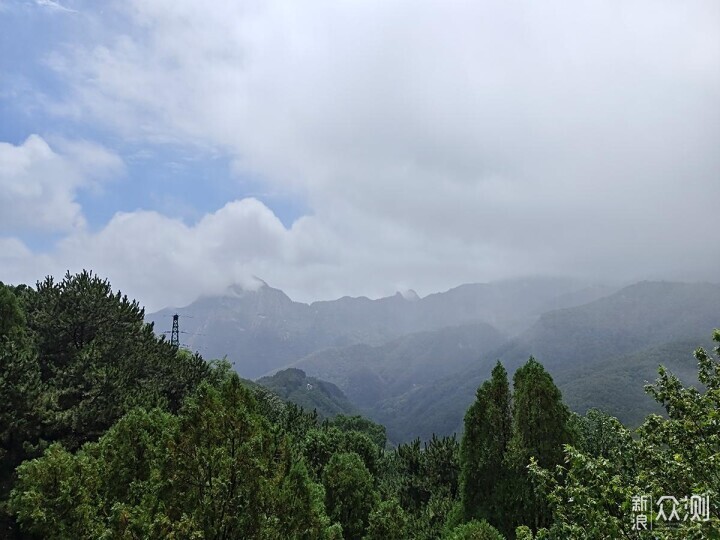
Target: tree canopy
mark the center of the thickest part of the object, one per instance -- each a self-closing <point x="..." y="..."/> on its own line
<point x="107" y="431"/>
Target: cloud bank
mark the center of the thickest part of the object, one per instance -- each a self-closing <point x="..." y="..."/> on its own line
<point x="435" y="143"/>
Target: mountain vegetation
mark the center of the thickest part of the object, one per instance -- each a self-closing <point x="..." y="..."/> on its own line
<point x="309" y="393"/>
<point x="110" y="432"/>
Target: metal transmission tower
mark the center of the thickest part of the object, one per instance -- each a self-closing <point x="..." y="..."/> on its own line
<point x="175" y="335"/>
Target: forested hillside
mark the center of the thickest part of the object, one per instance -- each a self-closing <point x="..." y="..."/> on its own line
<point x="110" y="432"/>
<point x="308" y="392"/>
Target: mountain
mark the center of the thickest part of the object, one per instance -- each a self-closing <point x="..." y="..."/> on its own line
<point x="309" y="392"/>
<point x="636" y="317"/>
<point x="617" y="385"/>
<point x="262" y="329"/>
<point x="600" y="354"/>
<point x="368" y="374"/>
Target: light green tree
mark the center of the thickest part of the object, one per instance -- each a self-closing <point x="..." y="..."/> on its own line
<point x="592" y="495"/>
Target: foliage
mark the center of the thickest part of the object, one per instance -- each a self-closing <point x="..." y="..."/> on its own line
<point x="484" y="445"/>
<point x="157" y="475"/>
<point x="322" y="442"/>
<point x="359" y="423"/>
<point x="74" y="357"/>
<point x="387" y="521"/>
<point x="475" y="530"/>
<point x="677" y="456"/>
<point x="349" y="493"/>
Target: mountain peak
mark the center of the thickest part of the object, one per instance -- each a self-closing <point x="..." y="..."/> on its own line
<point x="251" y="284"/>
<point x="408" y="294"/>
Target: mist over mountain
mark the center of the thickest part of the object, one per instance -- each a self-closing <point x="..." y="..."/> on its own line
<point x="600" y="353"/>
<point x="414" y="364"/>
<point x="367" y="374"/>
<point x="261" y="329"/>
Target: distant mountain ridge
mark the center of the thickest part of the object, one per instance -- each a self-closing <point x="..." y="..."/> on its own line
<point x="584" y="348"/>
<point x="414" y="364"/>
<point x="262" y="329"/>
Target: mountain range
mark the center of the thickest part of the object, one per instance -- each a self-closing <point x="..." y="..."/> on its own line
<point x="413" y="364"/>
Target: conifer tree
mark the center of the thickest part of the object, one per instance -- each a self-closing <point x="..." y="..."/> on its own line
<point x="539" y="431"/>
<point x="349" y="493"/>
<point x="484" y="443"/>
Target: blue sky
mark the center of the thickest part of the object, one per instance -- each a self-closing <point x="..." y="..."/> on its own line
<point x="357" y="148"/>
<point x="178" y="181"/>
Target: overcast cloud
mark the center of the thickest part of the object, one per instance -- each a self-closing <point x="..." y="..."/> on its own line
<point x="433" y="143"/>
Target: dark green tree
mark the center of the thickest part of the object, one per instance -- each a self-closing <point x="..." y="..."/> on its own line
<point x="475" y="530"/>
<point x="376" y="432"/>
<point x="539" y="431"/>
<point x="412" y="488"/>
<point x="349" y="493"/>
<point x="217" y="471"/>
<point x="388" y="521"/>
<point x="319" y="445"/>
<point x="98" y="359"/>
<point x="484" y="473"/>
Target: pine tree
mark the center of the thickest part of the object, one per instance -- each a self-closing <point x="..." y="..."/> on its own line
<point x="539" y="431"/>
<point x="349" y="493"/>
<point x="483" y="448"/>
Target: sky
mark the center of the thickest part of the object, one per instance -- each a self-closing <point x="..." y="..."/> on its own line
<point x="357" y="147"/>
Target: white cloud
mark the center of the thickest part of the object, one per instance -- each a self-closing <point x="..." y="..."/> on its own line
<point x="434" y="142"/>
<point x="164" y="261"/>
<point x="53" y="5"/>
<point x="38" y="185"/>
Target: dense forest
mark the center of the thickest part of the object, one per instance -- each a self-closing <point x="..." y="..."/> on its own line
<point x="108" y="431"/>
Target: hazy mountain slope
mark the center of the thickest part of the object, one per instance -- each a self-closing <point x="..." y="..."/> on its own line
<point x="610" y="345"/>
<point x="252" y="328"/>
<point x="638" y="316"/>
<point x="367" y="374"/>
<point x="262" y="329"/>
<point x="614" y="385"/>
<point x="308" y="392"/>
<point x="510" y="306"/>
<point x="617" y="385"/>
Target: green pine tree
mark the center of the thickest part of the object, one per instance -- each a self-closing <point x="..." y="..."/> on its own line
<point x="539" y="431"/>
<point x="482" y="452"/>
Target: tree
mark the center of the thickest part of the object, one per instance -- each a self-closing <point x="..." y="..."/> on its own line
<point x="482" y="452"/>
<point x="592" y="494"/>
<point x="349" y="493"/>
<point x="12" y="318"/>
<point x="540" y="429"/>
<point x="112" y="485"/>
<point x="475" y="530"/>
<point x="319" y="445"/>
<point x="98" y="358"/>
<point x="376" y="432"/>
<point x="219" y="470"/>
<point x="387" y="521"/>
